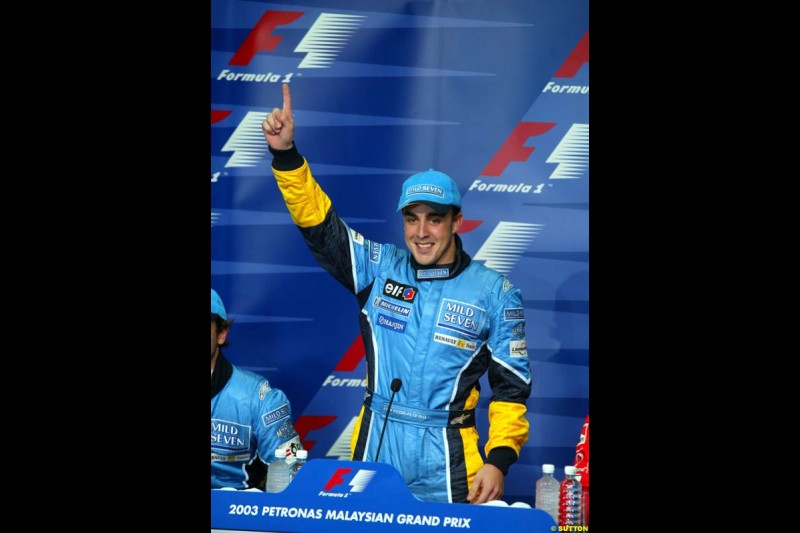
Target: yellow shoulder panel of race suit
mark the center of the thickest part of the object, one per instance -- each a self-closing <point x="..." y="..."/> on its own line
<point x="307" y="202"/>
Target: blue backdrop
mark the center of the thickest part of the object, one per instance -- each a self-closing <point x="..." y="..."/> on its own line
<point x="495" y="94"/>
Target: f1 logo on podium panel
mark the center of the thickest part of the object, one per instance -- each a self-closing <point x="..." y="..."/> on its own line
<point x="357" y="483"/>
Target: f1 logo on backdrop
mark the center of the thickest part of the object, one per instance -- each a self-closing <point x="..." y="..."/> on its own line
<point x="247" y="142"/>
<point x="509" y="240"/>
<point x="322" y="42"/>
<point x="571" y="155"/>
<point x="321" y="45"/>
<point x="357" y="483"/>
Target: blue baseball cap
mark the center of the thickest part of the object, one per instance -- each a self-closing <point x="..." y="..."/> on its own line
<point x="432" y="188"/>
<point x="217" y="309"/>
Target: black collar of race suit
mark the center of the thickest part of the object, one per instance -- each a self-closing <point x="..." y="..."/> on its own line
<point x="222" y="373"/>
<point x="450" y="270"/>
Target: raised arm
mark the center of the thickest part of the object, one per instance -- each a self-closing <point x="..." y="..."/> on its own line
<point x="278" y="127"/>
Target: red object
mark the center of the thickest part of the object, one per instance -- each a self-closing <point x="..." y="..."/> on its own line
<point x="582" y="466"/>
<point x="582" y="454"/>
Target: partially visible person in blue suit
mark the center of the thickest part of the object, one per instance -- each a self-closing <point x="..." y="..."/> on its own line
<point x="249" y="418"/>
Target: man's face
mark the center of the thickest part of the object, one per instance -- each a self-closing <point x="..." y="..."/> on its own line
<point x="429" y="236"/>
<point x="217" y="338"/>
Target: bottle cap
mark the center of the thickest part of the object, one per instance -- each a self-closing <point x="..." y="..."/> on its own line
<point x="280" y="453"/>
<point x="548" y="468"/>
<point x="570" y="470"/>
<point x="302" y="454"/>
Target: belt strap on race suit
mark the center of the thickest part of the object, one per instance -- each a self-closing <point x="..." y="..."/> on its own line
<point x="424" y="417"/>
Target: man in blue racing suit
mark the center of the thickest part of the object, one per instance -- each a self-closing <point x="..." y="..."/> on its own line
<point x="249" y="419"/>
<point x="433" y="321"/>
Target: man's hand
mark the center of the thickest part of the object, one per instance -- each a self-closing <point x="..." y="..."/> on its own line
<point x="278" y="128"/>
<point x="487" y="485"/>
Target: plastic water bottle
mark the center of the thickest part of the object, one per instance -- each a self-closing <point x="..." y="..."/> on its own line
<point x="302" y="457"/>
<point x="547" y="488"/>
<point x="584" y="500"/>
<point x="585" y="506"/>
<point x="569" y="499"/>
<point x="278" y="471"/>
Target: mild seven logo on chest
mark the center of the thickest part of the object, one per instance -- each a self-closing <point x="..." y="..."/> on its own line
<point x="229" y="436"/>
<point x="461" y="317"/>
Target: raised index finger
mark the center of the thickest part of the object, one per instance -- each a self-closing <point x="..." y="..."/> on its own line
<point x="287" y="101"/>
